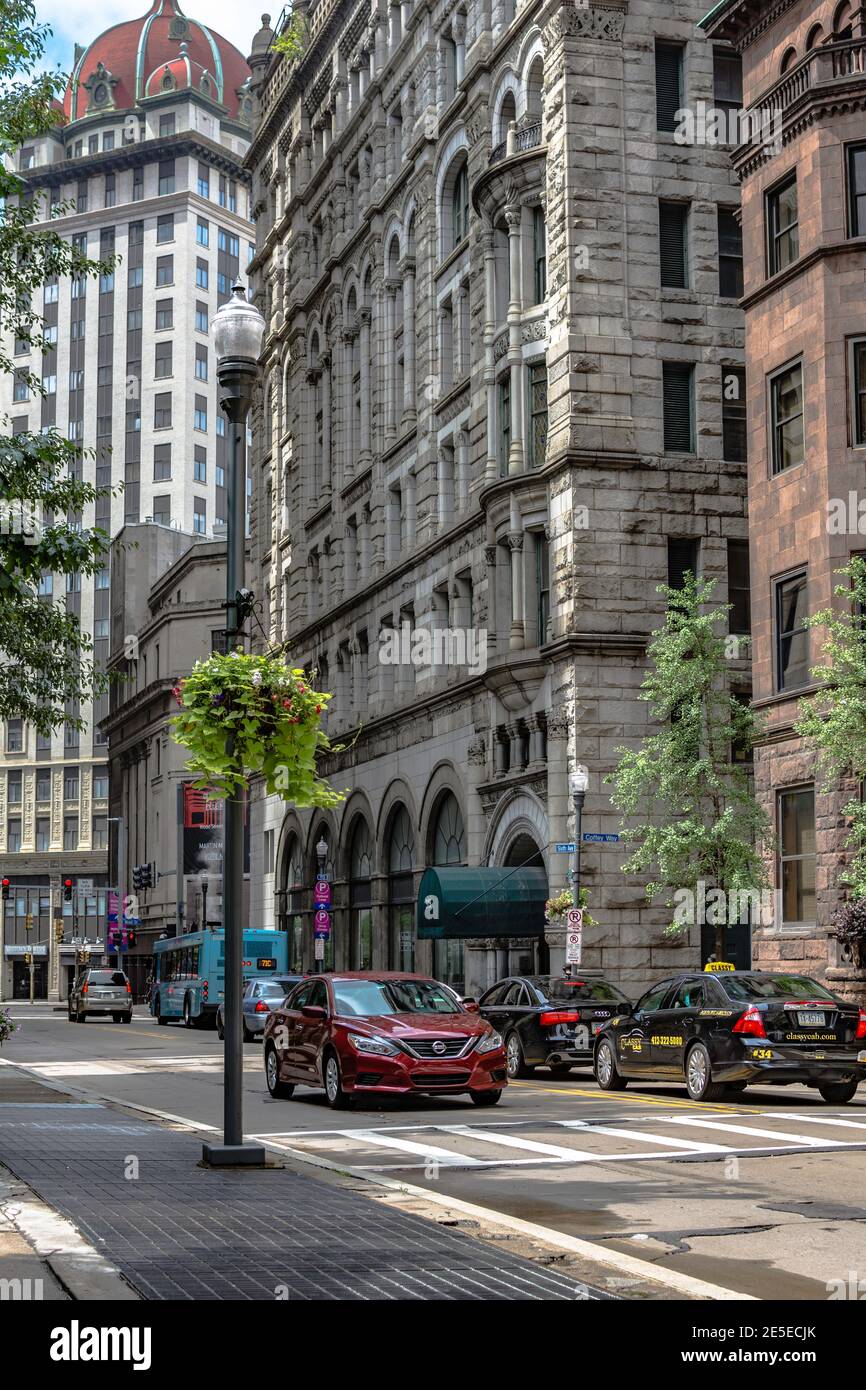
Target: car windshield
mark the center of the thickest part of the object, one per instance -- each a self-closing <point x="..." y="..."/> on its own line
<point x="555" y="989"/>
<point x="274" y="987"/>
<point x="751" y="988"/>
<point x="370" y="998"/>
<point x="106" y="977"/>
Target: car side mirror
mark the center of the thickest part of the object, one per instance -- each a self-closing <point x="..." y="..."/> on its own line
<point x="471" y="1006"/>
<point x="313" y="1011"/>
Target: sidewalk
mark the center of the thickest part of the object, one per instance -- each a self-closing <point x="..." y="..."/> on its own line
<point x="150" y="1222"/>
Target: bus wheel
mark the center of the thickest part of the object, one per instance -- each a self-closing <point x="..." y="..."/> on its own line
<point x="158" y="1015"/>
<point x="188" y="1019"/>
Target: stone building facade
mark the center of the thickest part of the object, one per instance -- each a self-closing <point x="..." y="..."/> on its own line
<point x="804" y="226"/>
<point x="499" y="324"/>
<point x="145" y="162"/>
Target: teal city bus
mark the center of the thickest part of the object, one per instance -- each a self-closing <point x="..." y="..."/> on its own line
<point x="189" y="971"/>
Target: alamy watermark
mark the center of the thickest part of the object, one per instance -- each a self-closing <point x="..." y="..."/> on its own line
<point x="430" y="647"/>
<point x="720" y="907"/>
<point x="714" y="126"/>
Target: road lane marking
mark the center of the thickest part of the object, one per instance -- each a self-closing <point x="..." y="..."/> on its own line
<point x="821" y="1120"/>
<point x="806" y="1140"/>
<point x="674" y="1103"/>
<point x="693" y="1145"/>
<point x="428" y="1151"/>
<point x="513" y="1142"/>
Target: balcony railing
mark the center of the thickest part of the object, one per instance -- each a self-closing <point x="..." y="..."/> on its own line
<point x="517" y="142"/>
<point x="832" y="63"/>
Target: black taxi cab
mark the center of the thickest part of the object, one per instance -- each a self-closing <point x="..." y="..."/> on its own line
<point x="727" y="1028"/>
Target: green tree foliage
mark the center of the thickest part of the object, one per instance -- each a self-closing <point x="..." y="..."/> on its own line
<point x="834" y="720"/>
<point x="47" y="659"/>
<point x="699" y="819"/>
<point x="292" y="41"/>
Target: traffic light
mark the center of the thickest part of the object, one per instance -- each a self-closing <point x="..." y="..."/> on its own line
<point x="5" y="886"/>
<point x="130" y="937"/>
<point x="28" y="922"/>
<point x="147" y="875"/>
<point x="58" y="929"/>
<point x="67" y="890"/>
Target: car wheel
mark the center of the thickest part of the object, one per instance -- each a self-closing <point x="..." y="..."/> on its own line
<point x="80" y="1017"/>
<point x="838" y="1092"/>
<point x="221" y="1032"/>
<point x="280" y="1090"/>
<point x="699" y="1075"/>
<point x="606" y="1073"/>
<point x="70" y="1015"/>
<point x="187" y="1012"/>
<point x="157" y="1013"/>
<point x="515" y="1061"/>
<point x="117" y="1018"/>
<point x="127" y="1018"/>
<point x="336" y="1096"/>
<point x="245" y="1032"/>
<point x="485" y="1097"/>
<point x="559" y="1068"/>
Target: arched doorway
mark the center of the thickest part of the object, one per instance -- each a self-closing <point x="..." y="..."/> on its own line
<point x="294" y="900"/>
<point x="448" y="847"/>
<point x="360" y="897"/>
<point x="523" y="852"/>
<point x="401" y="891"/>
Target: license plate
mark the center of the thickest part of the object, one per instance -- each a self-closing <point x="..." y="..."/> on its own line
<point x="810" y="1020"/>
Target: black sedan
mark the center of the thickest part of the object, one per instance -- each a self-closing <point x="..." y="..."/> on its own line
<point x="550" y="1020"/>
<point x="714" y="1031"/>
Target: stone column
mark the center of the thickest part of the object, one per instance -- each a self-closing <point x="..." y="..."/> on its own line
<point x="461" y="458"/>
<point x="391" y="287"/>
<point x="446" y="359"/>
<point x="514" y="217"/>
<point x="458" y="34"/>
<point x="325" y="360"/>
<point x="490" y="557"/>
<point x="407" y="270"/>
<point x="461" y="332"/>
<point x="365" y="316"/>
<point x="489" y="248"/>
<point x="410" y="508"/>
<point x="350" y="442"/>
<point x="445" y="487"/>
<point x="516" y="631"/>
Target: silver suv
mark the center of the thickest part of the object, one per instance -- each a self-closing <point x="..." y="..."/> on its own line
<point x="101" y="991"/>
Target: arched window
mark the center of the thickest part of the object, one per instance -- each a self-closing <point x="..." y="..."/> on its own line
<point x="535" y="89"/>
<point x="843" y="22"/>
<point x="507" y="114"/>
<point x="294" y="906"/>
<point x="449" y="847"/>
<point x="360" y="896"/>
<point x="789" y="58"/>
<point x="814" y="37"/>
<point x="460" y="206"/>
<point x="401" y="891"/>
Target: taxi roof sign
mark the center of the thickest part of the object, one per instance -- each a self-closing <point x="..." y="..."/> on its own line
<point x="713" y="965"/>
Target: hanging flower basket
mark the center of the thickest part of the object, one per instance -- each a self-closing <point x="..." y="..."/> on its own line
<point x="242" y="715"/>
<point x="7" y="1027"/>
<point x="556" y="908"/>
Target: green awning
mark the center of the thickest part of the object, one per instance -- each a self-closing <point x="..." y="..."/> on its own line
<point x="465" y="902"/>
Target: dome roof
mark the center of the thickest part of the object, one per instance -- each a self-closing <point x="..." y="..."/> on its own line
<point x="133" y="60"/>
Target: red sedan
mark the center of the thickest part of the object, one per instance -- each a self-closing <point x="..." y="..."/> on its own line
<point x="381" y="1034"/>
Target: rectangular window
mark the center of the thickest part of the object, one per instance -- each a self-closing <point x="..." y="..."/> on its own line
<point x="45" y="586"/>
<point x="539" y="252"/>
<point x="49" y="384"/>
<point x="43" y="785"/>
<point x="20" y="387"/>
<point x="110" y="191"/>
<point x="727" y="80"/>
<point x="199" y="516"/>
<point x="14" y="788"/>
<point x="730" y="255"/>
<point x="137" y="185"/>
<point x="682" y="559"/>
<point x="166" y="177"/>
<point x="222" y="240"/>
<point x="792" y="636"/>
<point x="161" y="463"/>
<point x="13" y="836"/>
<point x="537" y="381"/>
<point x="202" y="232"/>
<point x="222" y="191"/>
<point x="783" y="231"/>
<point x="14" y="735"/>
<point x="504" y="423"/>
<point x="234" y="247"/>
<point x="135" y="277"/>
<point x="108" y="140"/>
<point x="100" y="579"/>
<point x="797" y="857"/>
<point x="200" y="417"/>
<point x="201" y="319"/>
<point x="165" y="227"/>
<point x="734" y="414"/>
<point x="162" y="366"/>
<point x="678" y="405"/>
<point x="70" y="784"/>
<point x="100" y="784"/>
<point x="167" y="125"/>
<point x="162" y="411"/>
<point x="162" y="510"/>
<point x="786" y="418"/>
<point x="222" y="283"/>
<point x="164" y="314"/>
<point x="165" y="270"/>
<point x="201" y="276"/>
<point x="220" y="426"/>
<point x="673" y="255"/>
<point x="200" y="362"/>
<point x="203" y="183"/>
<point x="542" y="583"/>
<point x="51" y="292"/>
<point x="858" y="392"/>
<point x="857" y="189"/>
<point x="669" y="84"/>
<point x="199" y="467"/>
<point x="70" y="832"/>
<point x="739" y="592"/>
<point x="100" y="832"/>
<point x="43" y="833"/>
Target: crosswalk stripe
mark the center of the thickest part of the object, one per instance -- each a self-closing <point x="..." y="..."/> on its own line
<point x="512" y="1142"/>
<point x="644" y="1137"/>
<point x="808" y="1140"/>
<point x="822" y="1120"/>
<point x="427" y="1151"/>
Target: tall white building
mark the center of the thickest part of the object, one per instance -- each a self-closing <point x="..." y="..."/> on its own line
<point x="146" y="163"/>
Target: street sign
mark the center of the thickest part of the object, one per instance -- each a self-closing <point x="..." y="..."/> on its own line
<point x="573" y="946"/>
<point x="574" y="918"/>
<point x="322" y="923"/>
<point x="319" y="948"/>
<point x="322" y="893"/>
<point x="84" y="885"/>
<point x="590" y="838"/>
<point x="567" y="847"/>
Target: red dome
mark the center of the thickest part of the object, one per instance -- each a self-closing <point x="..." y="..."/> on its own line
<point x="127" y="62"/>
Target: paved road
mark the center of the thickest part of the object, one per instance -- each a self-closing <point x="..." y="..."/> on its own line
<point x="763" y="1195"/>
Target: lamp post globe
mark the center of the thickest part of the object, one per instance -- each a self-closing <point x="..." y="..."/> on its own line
<point x="238" y="329"/>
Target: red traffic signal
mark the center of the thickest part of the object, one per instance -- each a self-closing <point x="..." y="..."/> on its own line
<point x="67" y="890"/>
<point x="5" y="886"/>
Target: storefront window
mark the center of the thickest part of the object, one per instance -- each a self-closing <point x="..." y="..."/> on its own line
<point x="401" y="891"/>
<point x="360" y="897"/>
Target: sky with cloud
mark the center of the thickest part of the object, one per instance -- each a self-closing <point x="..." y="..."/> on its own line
<point x="80" y="21"/>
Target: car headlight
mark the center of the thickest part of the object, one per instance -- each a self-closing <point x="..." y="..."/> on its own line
<point x="489" y="1042"/>
<point x="365" y="1044"/>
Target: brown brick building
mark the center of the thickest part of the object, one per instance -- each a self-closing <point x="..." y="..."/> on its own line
<point x="804" y="243"/>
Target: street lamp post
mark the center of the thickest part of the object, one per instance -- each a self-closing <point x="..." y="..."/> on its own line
<point x="121" y="883"/>
<point x="578" y="782"/>
<point x="322" y="858"/>
<point x="238" y="329"/>
<point x="204" y="904"/>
